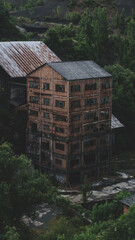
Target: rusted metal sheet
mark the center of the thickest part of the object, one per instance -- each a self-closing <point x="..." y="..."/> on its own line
<point x="115" y="123"/>
<point x="20" y="58"/>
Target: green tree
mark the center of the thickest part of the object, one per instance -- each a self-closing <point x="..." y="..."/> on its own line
<point x="122" y="21"/>
<point x="100" y="34"/>
<point x="21" y="187"/>
<point x="86" y="189"/>
<point x="108" y="210"/>
<point x="61" y="40"/>
<point x="12" y="234"/>
<point x="8" y="30"/>
<point x="84" y="46"/>
<point x="123" y="102"/>
<point x="130" y="46"/>
<point x="123" y="93"/>
<point x="119" y="229"/>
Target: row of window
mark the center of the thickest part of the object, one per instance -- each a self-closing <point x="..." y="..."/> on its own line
<point x="87" y="115"/>
<point x="74" y="104"/>
<point x="89" y="160"/>
<point x="88" y="127"/>
<point x="60" y="146"/>
<point x="74" y="88"/>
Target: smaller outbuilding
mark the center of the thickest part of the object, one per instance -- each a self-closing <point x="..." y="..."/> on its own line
<point x="127" y="202"/>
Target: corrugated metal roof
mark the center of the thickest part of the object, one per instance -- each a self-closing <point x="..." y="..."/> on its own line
<point x="79" y="70"/>
<point x="20" y="58"/>
<point x="115" y="123"/>
<point x="129" y="200"/>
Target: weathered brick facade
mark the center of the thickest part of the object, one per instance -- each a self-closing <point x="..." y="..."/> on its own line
<point x="69" y="124"/>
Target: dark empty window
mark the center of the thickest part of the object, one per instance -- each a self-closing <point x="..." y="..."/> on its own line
<point x="90" y="115"/>
<point x="46" y="127"/>
<point x="60" y="130"/>
<point x="46" y="115"/>
<point x="58" y="162"/>
<point x="60" y="88"/>
<point x="75" y="130"/>
<point x="46" y="86"/>
<point x="75" y="88"/>
<point x="91" y="101"/>
<point x="46" y="101"/>
<point x="104" y="126"/>
<point x="75" y="147"/>
<point x="33" y="99"/>
<point x="45" y="145"/>
<point x="105" y="99"/>
<point x="104" y="155"/>
<point x="90" y="86"/>
<point x="33" y="127"/>
<point x="60" y="118"/>
<point x="33" y="85"/>
<point x="75" y="118"/>
<point x="92" y="127"/>
<point x="60" y="104"/>
<point x="75" y="104"/>
<point x="74" y="163"/>
<point x="90" y="143"/>
<point x="59" y="146"/>
<point x="89" y="158"/>
<point x="105" y="85"/>
<point x="33" y="113"/>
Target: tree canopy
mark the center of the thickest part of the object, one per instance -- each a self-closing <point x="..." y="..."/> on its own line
<point x="21" y="187"/>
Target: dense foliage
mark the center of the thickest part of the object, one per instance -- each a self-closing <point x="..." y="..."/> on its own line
<point x="119" y="229"/>
<point x="123" y="102"/>
<point x="8" y="30"/>
<point x="21" y="188"/>
<point x="96" y="38"/>
<point x="68" y="227"/>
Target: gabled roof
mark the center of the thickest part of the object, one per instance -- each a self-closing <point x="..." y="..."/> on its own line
<point x="115" y="123"/>
<point x="129" y="200"/>
<point x="79" y="70"/>
<point x="20" y="58"/>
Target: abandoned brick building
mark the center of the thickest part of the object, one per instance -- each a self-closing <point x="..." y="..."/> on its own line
<point x="69" y="109"/>
<point x="17" y="59"/>
<point x="69" y="125"/>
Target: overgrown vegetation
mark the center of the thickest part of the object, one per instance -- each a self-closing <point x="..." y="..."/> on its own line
<point x="68" y="227"/>
<point x="8" y="30"/>
<point x="21" y="189"/>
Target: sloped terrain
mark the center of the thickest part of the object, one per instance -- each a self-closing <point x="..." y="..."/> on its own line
<point x="127" y="4"/>
<point x="49" y="9"/>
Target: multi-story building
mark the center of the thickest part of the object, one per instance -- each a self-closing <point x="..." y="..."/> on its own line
<point x="69" y="120"/>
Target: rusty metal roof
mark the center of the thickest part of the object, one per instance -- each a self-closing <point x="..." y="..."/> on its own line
<point x="115" y="123"/>
<point x="20" y="58"/>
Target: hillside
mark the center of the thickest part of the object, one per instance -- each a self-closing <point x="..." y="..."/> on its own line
<point x="60" y="8"/>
